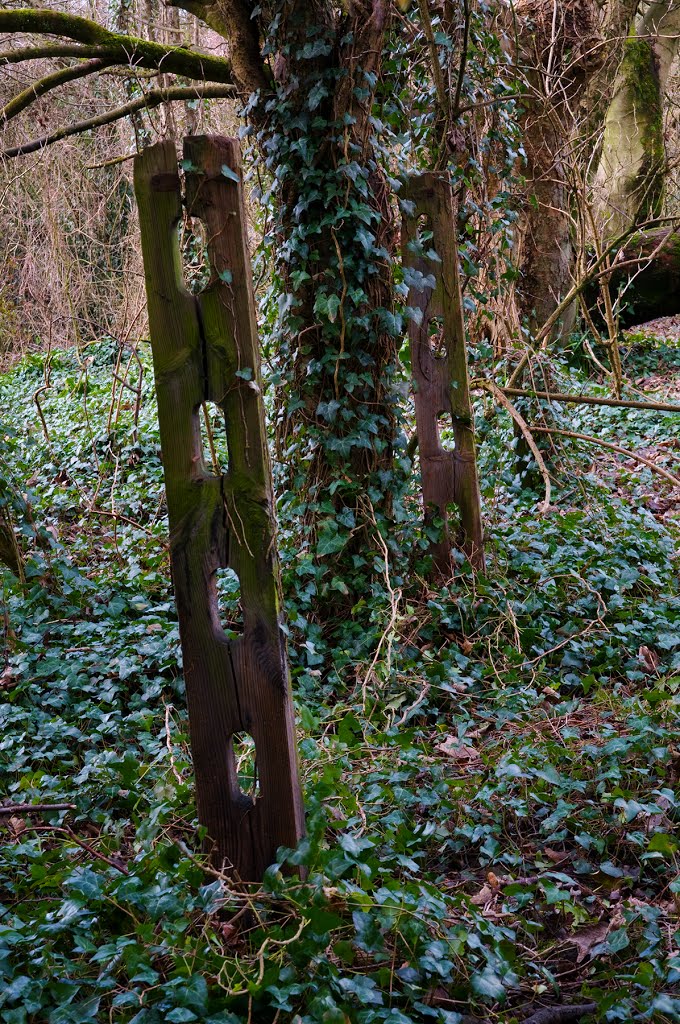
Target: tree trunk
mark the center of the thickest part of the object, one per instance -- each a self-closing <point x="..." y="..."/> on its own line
<point x="558" y="48"/>
<point x="10" y="553"/>
<point x="630" y="177"/>
<point x="332" y="235"/>
<point x="546" y="258"/>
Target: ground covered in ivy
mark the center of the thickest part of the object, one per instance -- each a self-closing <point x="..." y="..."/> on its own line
<point x="490" y="767"/>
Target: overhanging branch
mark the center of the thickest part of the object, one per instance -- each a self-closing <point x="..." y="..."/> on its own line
<point x="100" y="42"/>
<point x="49" y="82"/>
<point x="48" y="50"/>
<point x="153" y="98"/>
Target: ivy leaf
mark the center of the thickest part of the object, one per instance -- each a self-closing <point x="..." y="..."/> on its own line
<point x="329" y="544"/>
<point x="487" y="983"/>
<point x="618" y="940"/>
<point x="316" y="94"/>
<point x="664" y="844"/>
<point x="366" y="239"/>
<point x="364" y="988"/>
<point x="231" y="176"/>
<point x="332" y="307"/>
<point x="355" y="845"/>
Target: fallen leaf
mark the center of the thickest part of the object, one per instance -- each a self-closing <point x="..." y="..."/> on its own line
<point x="455" y="748"/>
<point x="648" y="659"/>
<point x="556" y="856"/>
<point x="229" y="933"/>
<point x="7" y="680"/>
<point x="586" y="938"/>
<point x="485" y="895"/>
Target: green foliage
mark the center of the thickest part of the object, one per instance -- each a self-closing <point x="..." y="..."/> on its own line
<point x="495" y="788"/>
<point x="330" y="171"/>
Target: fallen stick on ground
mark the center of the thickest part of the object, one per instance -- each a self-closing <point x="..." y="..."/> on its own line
<point x="613" y="447"/>
<point x="37" y="808"/>
<point x="617" y="403"/>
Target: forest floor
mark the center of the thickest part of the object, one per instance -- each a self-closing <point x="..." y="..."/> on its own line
<point x="492" y="805"/>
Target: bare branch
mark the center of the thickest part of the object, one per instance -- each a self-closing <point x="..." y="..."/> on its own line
<point x="502" y="399"/>
<point x="34" y="808"/>
<point x="463" y="60"/>
<point x="153" y="98"/>
<point x="615" y="403"/>
<point x="116" y="47"/>
<point x="48" y="50"/>
<point x="434" y="57"/>
<point x="614" y="448"/>
<point x="49" y="82"/>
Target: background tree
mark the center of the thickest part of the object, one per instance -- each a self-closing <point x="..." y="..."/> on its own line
<point x="632" y="169"/>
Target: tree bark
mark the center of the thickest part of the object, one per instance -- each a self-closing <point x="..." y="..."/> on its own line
<point x="629" y="182"/>
<point x="10" y="553"/>
<point x="558" y="49"/>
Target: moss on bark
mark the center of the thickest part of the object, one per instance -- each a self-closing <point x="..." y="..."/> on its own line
<point x="123" y="49"/>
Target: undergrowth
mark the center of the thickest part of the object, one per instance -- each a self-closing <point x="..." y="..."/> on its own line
<point x="489" y="767"/>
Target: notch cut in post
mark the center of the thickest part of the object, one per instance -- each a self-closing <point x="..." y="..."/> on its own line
<point x="439" y="362"/>
<point x="205" y="350"/>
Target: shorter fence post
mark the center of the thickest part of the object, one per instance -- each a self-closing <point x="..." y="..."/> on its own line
<point x="439" y="363"/>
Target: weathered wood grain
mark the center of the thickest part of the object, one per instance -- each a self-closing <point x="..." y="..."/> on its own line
<point x="242" y="685"/>
<point x="449" y="478"/>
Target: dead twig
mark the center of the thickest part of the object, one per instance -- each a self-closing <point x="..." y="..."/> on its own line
<point x="556" y="396"/>
<point x="613" y="447"/>
<point x="168" y="745"/>
<point x="503" y="400"/>
<point x="35" y="808"/>
<point x="83" y="846"/>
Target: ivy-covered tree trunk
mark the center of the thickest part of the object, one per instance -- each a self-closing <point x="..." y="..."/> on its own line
<point x="630" y="176"/>
<point x="334" y="237"/>
<point x="309" y="73"/>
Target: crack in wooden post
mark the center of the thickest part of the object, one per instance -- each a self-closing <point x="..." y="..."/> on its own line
<point x="449" y="478"/>
<point x="205" y="349"/>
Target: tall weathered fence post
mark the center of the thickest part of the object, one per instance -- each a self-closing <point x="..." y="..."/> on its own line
<point x="439" y="363"/>
<point x="205" y="348"/>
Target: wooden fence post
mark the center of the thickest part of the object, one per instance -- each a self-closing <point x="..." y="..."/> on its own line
<point x="205" y="348"/>
<point x="439" y="363"/>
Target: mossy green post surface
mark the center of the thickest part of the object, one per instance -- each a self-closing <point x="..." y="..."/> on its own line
<point x="203" y="348"/>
